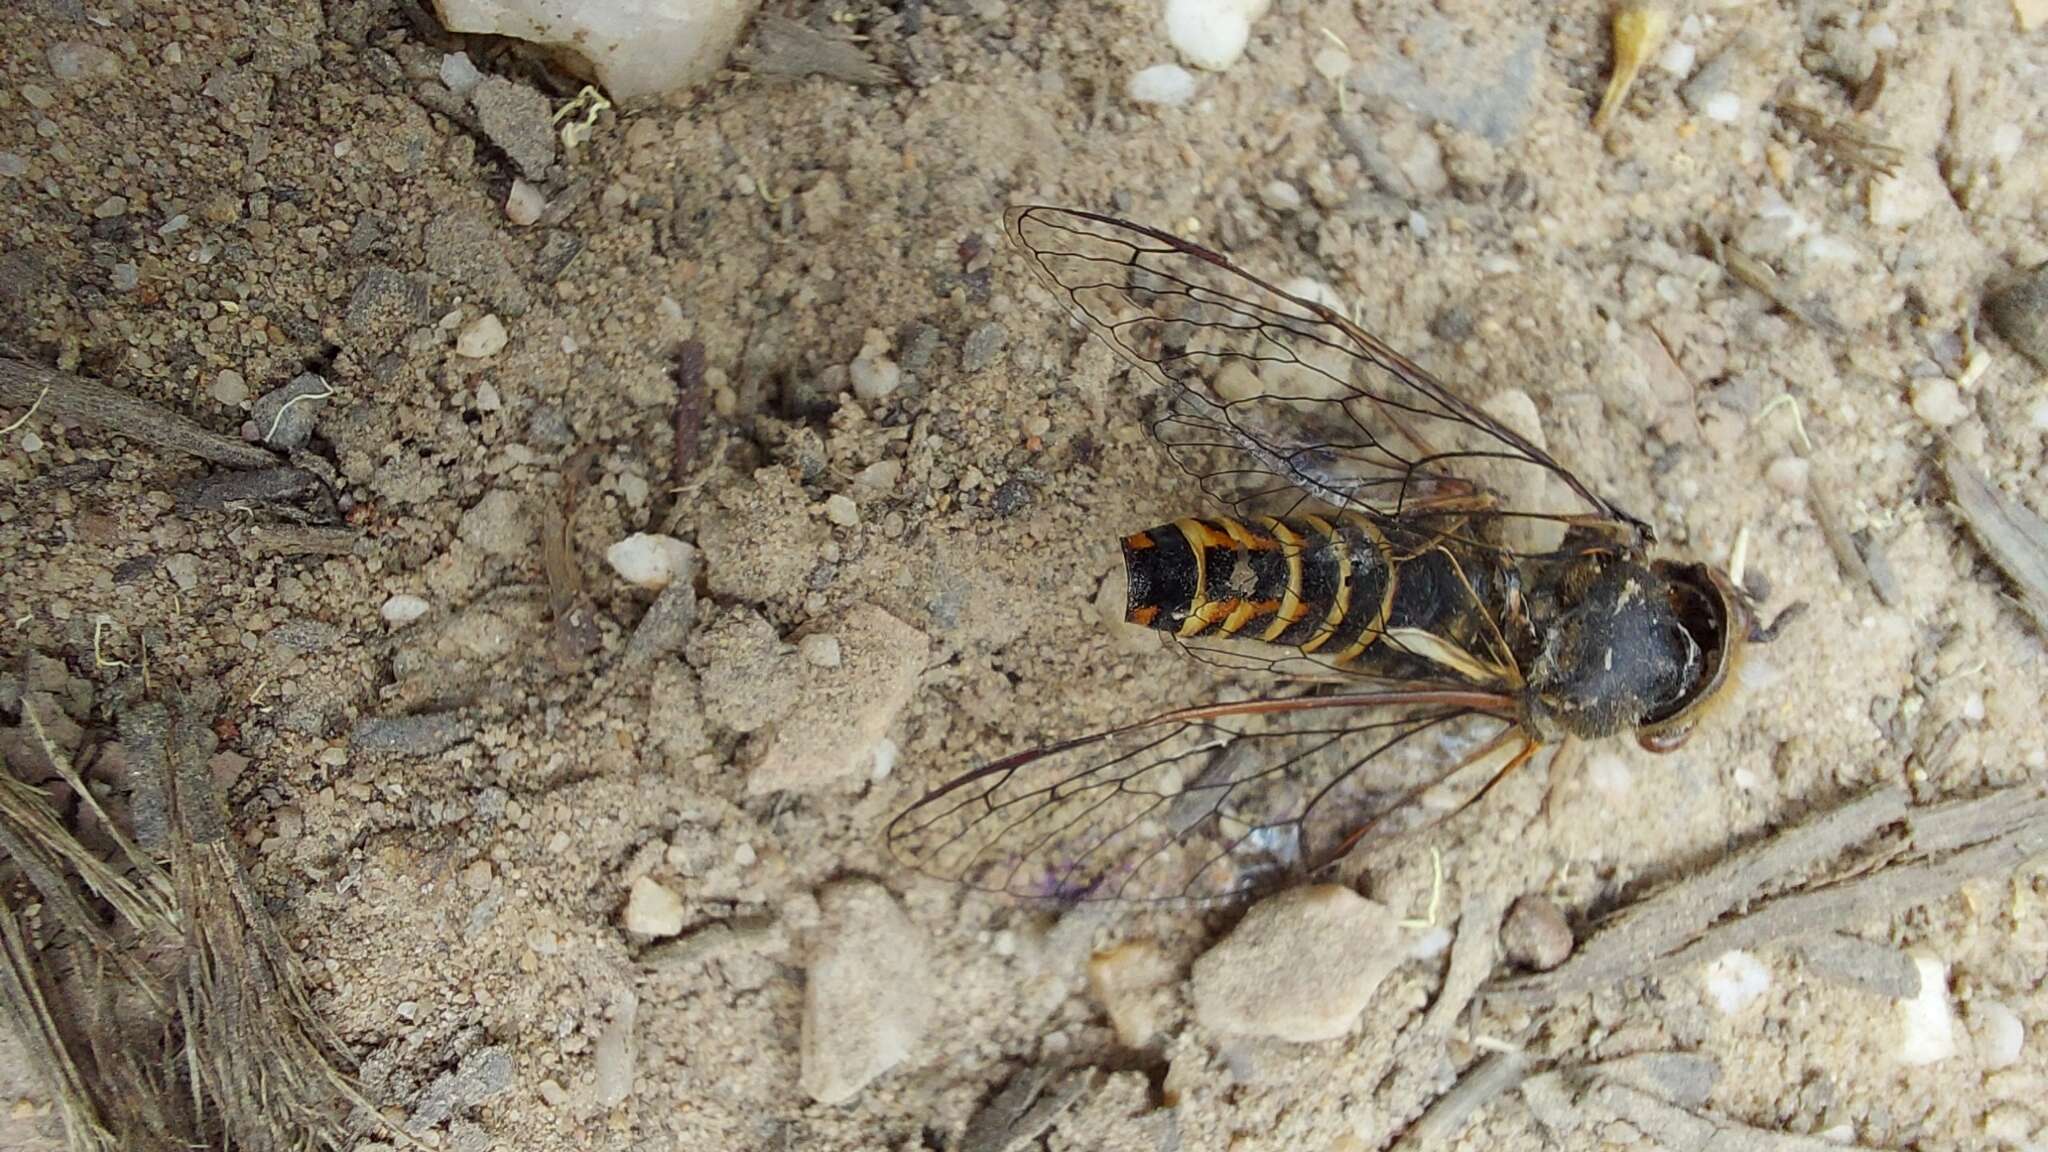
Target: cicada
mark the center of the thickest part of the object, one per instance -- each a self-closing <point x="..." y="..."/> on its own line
<point x="1448" y="594"/>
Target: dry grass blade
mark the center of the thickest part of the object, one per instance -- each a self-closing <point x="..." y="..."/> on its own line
<point x="86" y="1128"/>
<point x="1477" y="1088"/>
<point x="2015" y="537"/>
<point x="1847" y="555"/>
<point x="259" y="1052"/>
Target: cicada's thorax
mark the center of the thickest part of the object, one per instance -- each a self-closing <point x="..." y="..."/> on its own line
<point x="1365" y="594"/>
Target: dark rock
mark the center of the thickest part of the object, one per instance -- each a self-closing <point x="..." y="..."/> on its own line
<point x="2019" y="313"/>
<point x="423" y="735"/>
<point x="284" y="417"/>
<point x="518" y="120"/>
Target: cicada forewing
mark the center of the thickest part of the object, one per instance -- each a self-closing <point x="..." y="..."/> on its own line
<point x="1198" y="804"/>
<point x="1272" y="399"/>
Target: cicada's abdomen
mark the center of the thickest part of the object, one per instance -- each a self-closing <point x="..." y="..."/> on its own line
<point x="1305" y="582"/>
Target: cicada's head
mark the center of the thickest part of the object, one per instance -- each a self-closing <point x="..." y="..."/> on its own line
<point x="1644" y="648"/>
<point x="1717" y="618"/>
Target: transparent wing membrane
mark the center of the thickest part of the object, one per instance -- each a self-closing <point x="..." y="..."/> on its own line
<point x="1273" y="401"/>
<point x="1198" y="804"/>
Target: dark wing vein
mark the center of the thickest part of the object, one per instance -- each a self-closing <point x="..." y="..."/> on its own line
<point x="1198" y="804"/>
<point x="1272" y="397"/>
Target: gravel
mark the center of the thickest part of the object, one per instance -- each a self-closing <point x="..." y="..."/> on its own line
<point x="1300" y="966"/>
<point x="424" y="735"/>
<point x="867" y="994"/>
<point x="518" y="120"/>
<point x="284" y="417"/>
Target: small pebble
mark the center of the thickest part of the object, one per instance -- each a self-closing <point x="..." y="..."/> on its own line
<point x="652" y="910"/>
<point x="1280" y="196"/>
<point x="1678" y="58"/>
<point x="482" y="1075"/>
<point x="126" y="277"/>
<point x="459" y="74"/>
<point x="665" y="628"/>
<point x="612" y="1058"/>
<point x="841" y="510"/>
<point x="1937" y="401"/>
<point x="487" y="398"/>
<point x="1133" y="983"/>
<point x="872" y="373"/>
<point x="1725" y="107"/>
<point x="38" y="97"/>
<point x="518" y="120"/>
<point x="482" y="337"/>
<point x="499" y="525"/>
<point x="12" y="166"/>
<point x="1300" y="966"/>
<point x="71" y="60"/>
<point x="1999" y="1032"/>
<point x="402" y="609"/>
<point x="847" y="709"/>
<point x="1535" y="934"/>
<point x="1789" y="475"/>
<point x="415" y="736"/>
<point x="1927" y="1024"/>
<point x="648" y="560"/>
<point x="230" y="389"/>
<point x="984" y="346"/>
<point x="285" y="417"/>
<point x="2019" y="313"/>
<point x="819" y="650"/>
<point x="183" y="569"/>
<point x="111" y="208"/>
<point x="525" y="203"/>
<point x="877" y="480"/>
<point x="1735" y="980"/>
<point x="1164" y="85"/>
<point x="867" y="999"/>
<point x="1211" y="34"/>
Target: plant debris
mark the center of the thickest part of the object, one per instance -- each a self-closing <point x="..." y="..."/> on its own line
<point x="1639" y="30"/>
<point x="72" y="399"/>
<point x="2015" y="538"/>
<point x="1760" y="277"/>
<point x="217" y="1043"/>
<point x="1025" y="1109"/>
<point x="1845" y="142"/>
<point x="1695" y="919"/>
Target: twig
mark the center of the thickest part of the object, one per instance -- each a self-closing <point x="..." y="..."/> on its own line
<point x="2015" y="538"/>
<point x="1450" y="1112"/>
<point x="1848" y="143"/>
<point x="1846" y="553"/>
<point x="1682" y="1130"/>
<point x="1759" y="276"/>
<point x="1664" y="921"/>
<point x="77" y="400"/>
<point x="1472" y="961"/>
<point x="1941" y="847"/>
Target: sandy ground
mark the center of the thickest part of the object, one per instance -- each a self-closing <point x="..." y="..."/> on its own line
<point x="199" y="202"/>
